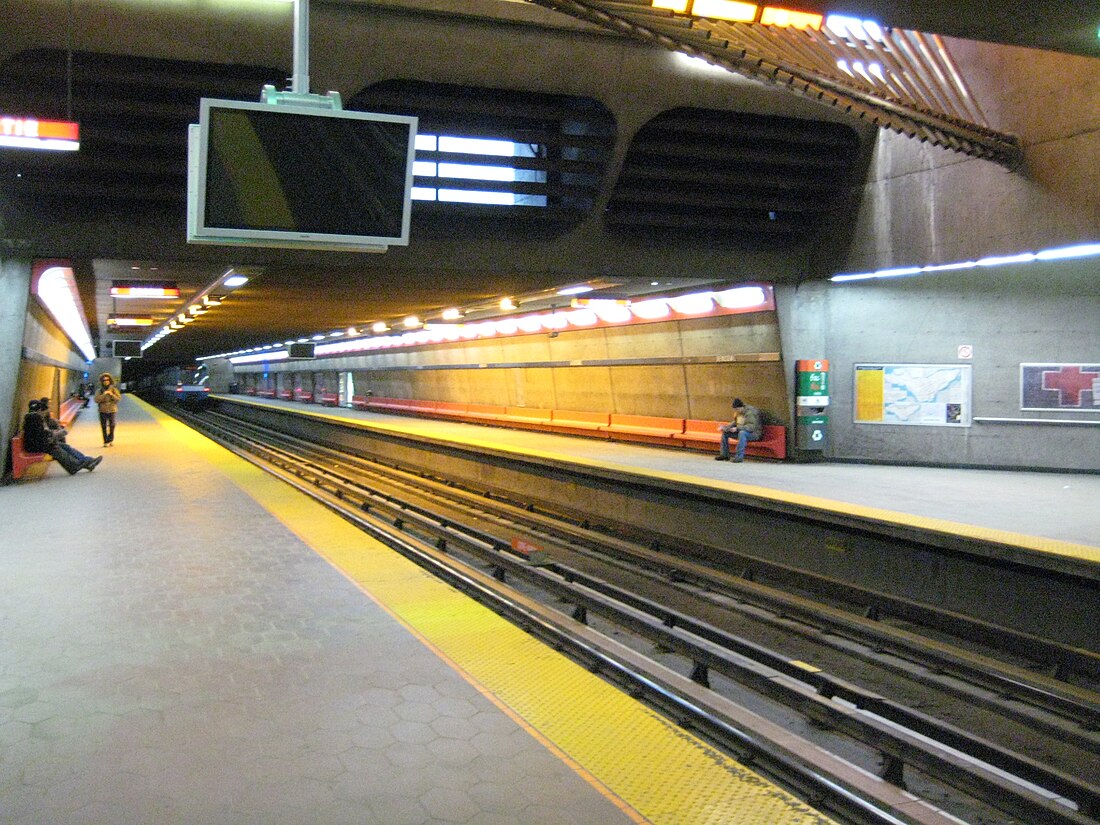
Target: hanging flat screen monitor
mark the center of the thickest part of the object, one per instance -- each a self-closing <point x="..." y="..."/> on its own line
<point x="126" y="349"/>
<point x="260" y="174"/>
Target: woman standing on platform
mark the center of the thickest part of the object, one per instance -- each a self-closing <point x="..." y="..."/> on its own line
<point x="107" y="398"/>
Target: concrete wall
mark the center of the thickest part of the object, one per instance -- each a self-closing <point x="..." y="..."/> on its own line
<point x="682" y="369"/>
<point x="1037" y="313"/>
<point x="922" y="205"/>
<point x="15" y="279"/>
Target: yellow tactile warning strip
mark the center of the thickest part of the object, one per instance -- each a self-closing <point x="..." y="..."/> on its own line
<point x="652" y="770"/>
<point x="1039" y="544"/>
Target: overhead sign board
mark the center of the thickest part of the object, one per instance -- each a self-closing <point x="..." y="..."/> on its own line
<point x="32" y="133"/>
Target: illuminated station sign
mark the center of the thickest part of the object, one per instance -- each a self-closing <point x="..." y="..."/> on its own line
<point x="32" y="133"/>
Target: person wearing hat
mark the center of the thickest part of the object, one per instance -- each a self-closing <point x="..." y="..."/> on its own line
<point x="107" y="398"/>
<point x="39" y="438"/>
<point x="52" y="424"/>
<point x="747" y="425"/>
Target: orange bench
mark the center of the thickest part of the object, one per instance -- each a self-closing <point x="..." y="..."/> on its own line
<point x="70" y="409"/>
<point x="409" y="405"/>
<point x="359" y="402"/>
<point x="449" y="409"/>
<point x="705" y="435"/>
<point x="329" y="399"/>
<point x="649" y="429"/>
<point x="286" y="395"/>
<point x="527" y="418"/>
<point x="485" y="412"/>
<point x="22" y="461"/>
<point x="579" y="422"/>
<point x="304" y="397"/>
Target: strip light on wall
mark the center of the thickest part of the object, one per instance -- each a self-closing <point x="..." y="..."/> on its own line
<point x="587" y="314"/>
<point x="55" y="286"/>
<point x="1059" y="253"/>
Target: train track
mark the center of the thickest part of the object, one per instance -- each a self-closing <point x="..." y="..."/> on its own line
<point x="981" y="736"/>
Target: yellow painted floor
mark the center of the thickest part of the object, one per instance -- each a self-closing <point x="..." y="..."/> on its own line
<point x="649" y="768"/>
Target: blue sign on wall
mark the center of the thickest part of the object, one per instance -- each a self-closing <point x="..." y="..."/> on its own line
<point x="1060" y="387"/>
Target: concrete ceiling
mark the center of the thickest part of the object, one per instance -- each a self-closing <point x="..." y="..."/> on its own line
<point x="295" y="294"/>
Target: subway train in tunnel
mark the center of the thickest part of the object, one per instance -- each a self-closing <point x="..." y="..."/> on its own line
<point x="186" y="385"/>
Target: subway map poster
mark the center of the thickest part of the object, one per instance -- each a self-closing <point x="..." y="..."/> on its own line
<point x="930" y="395"/>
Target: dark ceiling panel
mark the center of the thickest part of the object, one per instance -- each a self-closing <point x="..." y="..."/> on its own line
<point x="748" y="178"/>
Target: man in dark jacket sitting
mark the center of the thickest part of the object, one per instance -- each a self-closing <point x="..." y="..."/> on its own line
<point x="747" y="425"/>
<point x="39" y="438"/>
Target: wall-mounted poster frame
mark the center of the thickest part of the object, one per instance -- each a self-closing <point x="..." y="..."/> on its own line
<point x="925" y="395"/>
<point x="1060" y="387"/>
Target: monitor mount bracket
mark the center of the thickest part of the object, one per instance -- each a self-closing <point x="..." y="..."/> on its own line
<point x="299" y="94"/>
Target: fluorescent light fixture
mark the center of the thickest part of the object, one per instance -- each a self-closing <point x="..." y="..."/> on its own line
<point x="672" y="5"/>
<point x="529" y="323"/>
<point x="234" y="281"/>
<point x="554" y="321"/>
<point x="742" y="297"/>
<point x="774" y="16"/>
<point x="338" y="334"/>
<point x="1000" y="260"/>
<point x="379" y="327"/>
<point x="317" y="337"/>
<point x="507" y="327"/>
<point x="612" y="312"/>
<point x="731" y="10"/>
<point x="260" y="356"/>
<point x="128" y="321"/>
<point x="452" y="314"/>
<point x="411" y="322"/>
<point x="651" y="310"/>
<point x="1081" y="250"/>
<point x="55" y="287"/>
<point x="507" y="304"/>
<point x="582" y="318"/>
<point x="137" y="289"/>
<point x="580" y="289"/>
<point x="697" y="303"/>
<point x="1058" y="253"/>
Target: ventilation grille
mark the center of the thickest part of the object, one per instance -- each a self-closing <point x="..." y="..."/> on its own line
<point x="569" y="140"/>
<point x="734" y="175"/>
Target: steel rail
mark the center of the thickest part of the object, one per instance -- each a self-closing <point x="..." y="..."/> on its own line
<point x="1032" y="689"/>
<point x="834" y="786"/>
<point x="710" y="648"/>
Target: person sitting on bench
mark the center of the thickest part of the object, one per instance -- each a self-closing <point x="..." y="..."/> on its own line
<point x="39" y="438"/>
<point x="747" y="425"/>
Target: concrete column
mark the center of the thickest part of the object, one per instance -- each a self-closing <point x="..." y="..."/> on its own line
<point x="15" y="289"/>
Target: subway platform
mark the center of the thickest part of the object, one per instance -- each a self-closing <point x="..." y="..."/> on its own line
<point x="185" y="639"/>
